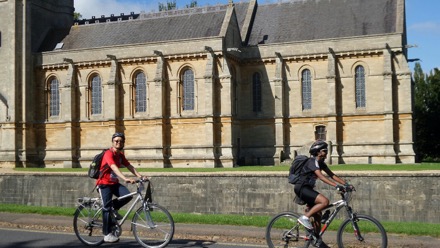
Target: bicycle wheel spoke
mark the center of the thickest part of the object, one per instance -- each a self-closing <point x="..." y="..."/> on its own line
<point x="284" y="231"/>
<point x="153" y="227"/>
<point x="87" y="224"/>
<point x="365" y="232"/>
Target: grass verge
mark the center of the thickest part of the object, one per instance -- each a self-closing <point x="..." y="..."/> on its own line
<point x="345" y="167"/>
<point x="406" y="228"/>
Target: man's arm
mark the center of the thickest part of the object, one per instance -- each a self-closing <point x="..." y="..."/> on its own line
<point x="133" y="170"/>
<point x="323" y="178"/>
<point x="118" y="172"/>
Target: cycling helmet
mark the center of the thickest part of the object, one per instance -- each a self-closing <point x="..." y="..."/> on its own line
<point x="317" y="146"/>
<point x="118" y="135"/>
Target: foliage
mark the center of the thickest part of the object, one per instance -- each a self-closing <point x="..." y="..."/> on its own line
<point x="427" y="113"/>
<point x="170" y="5"/>
<point x="76" y="16"/>
<point x="193" y="4"/>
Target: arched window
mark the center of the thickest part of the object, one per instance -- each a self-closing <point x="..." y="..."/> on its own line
<point x="140" y="88"/>
<point x="306" y="83"/>
<point x="320" y="133"/>
<point x="360" y="86"/>
<point x="54" y="97"/>
<point x="256" y="92"/>
<point x="187" y="90"/>
<point x="96" y="95"/>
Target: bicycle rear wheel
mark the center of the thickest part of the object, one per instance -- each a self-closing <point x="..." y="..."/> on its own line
<point x="370" y="233"/>
<point x="285" y="231"/>
<point x="153" y="226"/>
<point x="87" y="224"/>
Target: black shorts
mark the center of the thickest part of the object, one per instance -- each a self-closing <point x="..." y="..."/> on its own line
<point x="306" y="193"/>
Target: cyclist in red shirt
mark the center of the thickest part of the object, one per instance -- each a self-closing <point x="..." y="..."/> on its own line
<point x="108" y="183"/>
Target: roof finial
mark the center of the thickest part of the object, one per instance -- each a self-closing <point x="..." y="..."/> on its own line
<point x="231" y="3"/>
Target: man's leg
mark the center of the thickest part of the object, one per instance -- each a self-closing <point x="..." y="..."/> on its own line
<point x="106" y="195"/>
<point x="121" y="191"/>
<point x="320" y="203"/>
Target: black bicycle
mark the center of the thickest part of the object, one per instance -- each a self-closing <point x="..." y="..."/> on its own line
<point x="152" y="224"/>
<point x="360" y="231"/>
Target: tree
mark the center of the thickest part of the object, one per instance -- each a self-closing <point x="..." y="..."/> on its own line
<point x="170" y="5"/>
<point x="427" y="113"/>
<point x="193" y="4"/>
<point x="76" y="16"/>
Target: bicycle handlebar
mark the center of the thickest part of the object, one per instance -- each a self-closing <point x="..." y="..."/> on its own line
<point x="142" y="180"/>
<point x="348" y="188"/>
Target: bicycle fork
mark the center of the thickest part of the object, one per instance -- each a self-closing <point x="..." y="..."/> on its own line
<point x="354" y="221"/>
<point x="148" y="218"/>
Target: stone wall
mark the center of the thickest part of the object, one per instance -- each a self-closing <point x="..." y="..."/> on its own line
<point x="387" y="196"/>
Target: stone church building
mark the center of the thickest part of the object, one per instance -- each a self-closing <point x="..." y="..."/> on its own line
<point x="244" y="83"/>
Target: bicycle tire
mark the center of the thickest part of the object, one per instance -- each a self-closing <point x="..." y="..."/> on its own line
<point x="370" y="229"/>
<point x="283" y="230"/>
<point x="153" y="226"/>
<point x="87" y="224"/>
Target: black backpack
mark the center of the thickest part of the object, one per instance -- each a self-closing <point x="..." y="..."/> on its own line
<point x="95" y="167"/>
<point x="296" y="169"/>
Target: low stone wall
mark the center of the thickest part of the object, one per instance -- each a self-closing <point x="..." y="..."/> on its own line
<point x="386" y="196"/>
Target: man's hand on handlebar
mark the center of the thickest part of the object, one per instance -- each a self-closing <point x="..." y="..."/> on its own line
<point x="130" y="180"/>
<point x="344" y="188"/>
<point x="340" y="188"/>
<point x="144" y="178"/>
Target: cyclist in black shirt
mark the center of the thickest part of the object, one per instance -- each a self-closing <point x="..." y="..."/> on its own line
<point x="304" y="189"/>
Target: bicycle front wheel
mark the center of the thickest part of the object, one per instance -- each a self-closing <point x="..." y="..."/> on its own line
<point x="87" y="224"/>
<point x="285" y="231"/>
<point x="153" y="226"/>
<point x="362" y="232"/>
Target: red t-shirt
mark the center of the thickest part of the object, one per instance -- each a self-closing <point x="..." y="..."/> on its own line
<point x="108" y="177"/>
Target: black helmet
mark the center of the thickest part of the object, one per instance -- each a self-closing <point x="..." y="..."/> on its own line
<point x="118" y="135"/>
<point x="317" y="146"/>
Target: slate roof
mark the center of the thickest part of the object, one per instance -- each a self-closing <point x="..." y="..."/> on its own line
<point x="322" y="19"/>
<point x="298" y="20"/>
<point x="173" y="27"/>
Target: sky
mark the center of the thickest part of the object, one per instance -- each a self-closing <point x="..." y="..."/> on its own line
<point x="422" y="22"/>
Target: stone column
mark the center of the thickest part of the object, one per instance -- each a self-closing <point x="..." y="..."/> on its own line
<point x="279" y="109"/>
<point x="158" y="99"/>
<point x="157" y="96"/>
<point x="332" y="105"/>
<point x="224" y="121"/>
<point x="67" y="94"/>
<point x="388" y="110"/>
<point x="111" y="93"/>
<point x="210" y="101"/>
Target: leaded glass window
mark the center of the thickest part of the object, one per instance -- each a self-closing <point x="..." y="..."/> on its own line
<point x="96" y="95"/>
<point x="54" y="97"/>
<point x="256" y="92"/>
<point x="188" y="90"/>
<point x="320" y="133"/>
<point x="141" y="92"/>
<point x="360" y="86"/>
<point x="306" y="83"/>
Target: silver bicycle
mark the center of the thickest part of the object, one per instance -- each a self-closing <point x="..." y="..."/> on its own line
<point x="360" y="231"/>
<point x="152" y="224"/>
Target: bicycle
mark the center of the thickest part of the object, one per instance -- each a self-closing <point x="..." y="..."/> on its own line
<point x="357" y="230"/>
<point x="152" y="225"/>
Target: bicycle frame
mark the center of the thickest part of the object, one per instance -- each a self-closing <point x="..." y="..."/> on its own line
<point x="338" y="205"/>
<point x="139" y="198"/>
